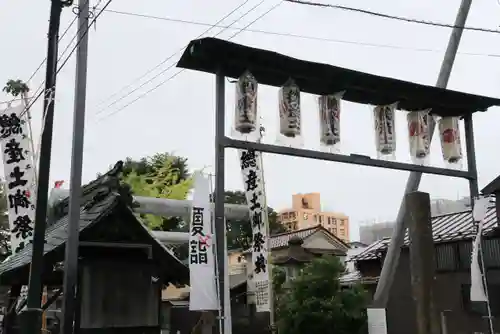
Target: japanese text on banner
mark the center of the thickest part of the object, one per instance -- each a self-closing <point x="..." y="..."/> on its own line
<point x="203" y="293"/>
<point x="253" y="182"/>
<point x="19" y="176"/>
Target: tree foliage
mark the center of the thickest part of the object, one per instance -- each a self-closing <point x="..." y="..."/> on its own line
<point x="315" y="302"/>
<point x="165" y="175"/>
<point x="162" y="175"/>
<point x="239" y="234"/>
<point x="15" y="87"/>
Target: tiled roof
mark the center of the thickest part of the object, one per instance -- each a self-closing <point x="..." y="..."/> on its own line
<point x="445" y="228"/>
<point x="281" y="240"/>
<point x="57" y="234"/>
<point x="371" y="252"/>
<point x="99" y="198"/>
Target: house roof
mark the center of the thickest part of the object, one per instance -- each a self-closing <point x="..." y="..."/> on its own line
<point x="445" y="228"/>
<point x="100" y="199"/>
<point x="214" y="55"/>
<point x="357" y="244"/>
<point x="281" y="240"/>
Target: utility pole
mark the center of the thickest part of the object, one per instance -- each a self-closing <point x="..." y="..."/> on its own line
<point x="31" y="317"/>
<point x="71" y="254"/>
<point x="422" y="262"/>
<point x="392" y="258"/>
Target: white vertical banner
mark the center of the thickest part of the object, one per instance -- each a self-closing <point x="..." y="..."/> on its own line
<point x="19" y="176"/>
<point x="203" y="292"/>
<point x="477" y="288"/>
<point x="253" y="182"/>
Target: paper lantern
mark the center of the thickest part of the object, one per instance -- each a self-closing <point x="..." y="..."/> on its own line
<point x="289" y="110"/>
<point x="245" y="120"/>
<point x="449" y="133"/>
<point x="329" y="119"/>
<point x="385" y="130"/>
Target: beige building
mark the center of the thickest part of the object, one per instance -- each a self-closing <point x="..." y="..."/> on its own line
<point x="306" y="212"/>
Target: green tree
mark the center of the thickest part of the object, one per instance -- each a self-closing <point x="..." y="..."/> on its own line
<point x="239" y="234"/>
<point x="16" y="87"/>
<point x="315" y="302"/>
<point x="162" y="175"/>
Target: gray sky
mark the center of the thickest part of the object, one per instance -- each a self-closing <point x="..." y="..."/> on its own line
<point x="179" y="116"/>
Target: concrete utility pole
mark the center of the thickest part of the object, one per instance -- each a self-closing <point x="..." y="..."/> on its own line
<point x="31" y="318"/>
<point x="75" y="187"/>
<point x="392" y="258"/>
<point x="422" y="261"/>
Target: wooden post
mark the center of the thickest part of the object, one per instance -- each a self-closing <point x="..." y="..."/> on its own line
<point x="422" y="261"/>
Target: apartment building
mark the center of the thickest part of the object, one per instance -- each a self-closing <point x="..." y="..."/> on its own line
<point x="306" y="212"/>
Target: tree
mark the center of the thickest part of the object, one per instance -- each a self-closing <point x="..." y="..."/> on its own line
<point x="162" y="175"/>
<point x="16" y="87"/>
<point x="239" y="234"/>
<point x="315" y="302"/>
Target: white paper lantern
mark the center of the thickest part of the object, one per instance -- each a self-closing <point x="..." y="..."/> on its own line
<point x="245" y="120"/>
<point x="329" y="119"/>
<point x="418" y="135"/>
<point x="289" y="110"/>
<point x="385" y="129"/>
<point x="449" y="133"/>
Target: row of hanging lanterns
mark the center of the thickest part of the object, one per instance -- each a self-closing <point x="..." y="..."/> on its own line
<point x="329" y="107"/>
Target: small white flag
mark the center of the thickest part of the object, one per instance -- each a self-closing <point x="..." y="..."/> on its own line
<point x="477" y="291"/>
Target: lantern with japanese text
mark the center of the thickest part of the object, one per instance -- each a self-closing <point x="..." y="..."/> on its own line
<point x="449" y="133"/>
<point x="329" y="120"/>
<point x="289" y="110"/>
<point x="418" y="135"/>
<point x="245" y="119"/>
<point x="385" y="132"/>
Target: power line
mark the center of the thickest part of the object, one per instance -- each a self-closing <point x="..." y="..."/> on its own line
<point x="177" y="73"/>
<point x="392" y="17"/>
<point x="298" y="36"/>
<point x="70" y="54"/>
<point x="161" y="63"/>
<point x="43" y="62"/>
<point x="60" y="38"/>
<point x="172" y="65"/>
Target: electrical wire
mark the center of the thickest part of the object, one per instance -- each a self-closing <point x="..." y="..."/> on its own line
<point x="60" y="38"/>
<point x="170" y="57"/>
<point x="182" y="70"/>
<point x="306" y="37"/>
<point x="392" y="17"/>
<point x="70" y="54"/>
<point x="42" y="63"/>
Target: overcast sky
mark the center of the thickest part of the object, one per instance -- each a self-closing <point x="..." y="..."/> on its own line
<point x="179" y="115"/>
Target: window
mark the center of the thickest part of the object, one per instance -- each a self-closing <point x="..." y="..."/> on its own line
<point x="480" y="308"/>
<point x="315" y="217"/>
<point x="329" y="220"/>
<point x="341" y="223"/>
<point x="320" y="219"/>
